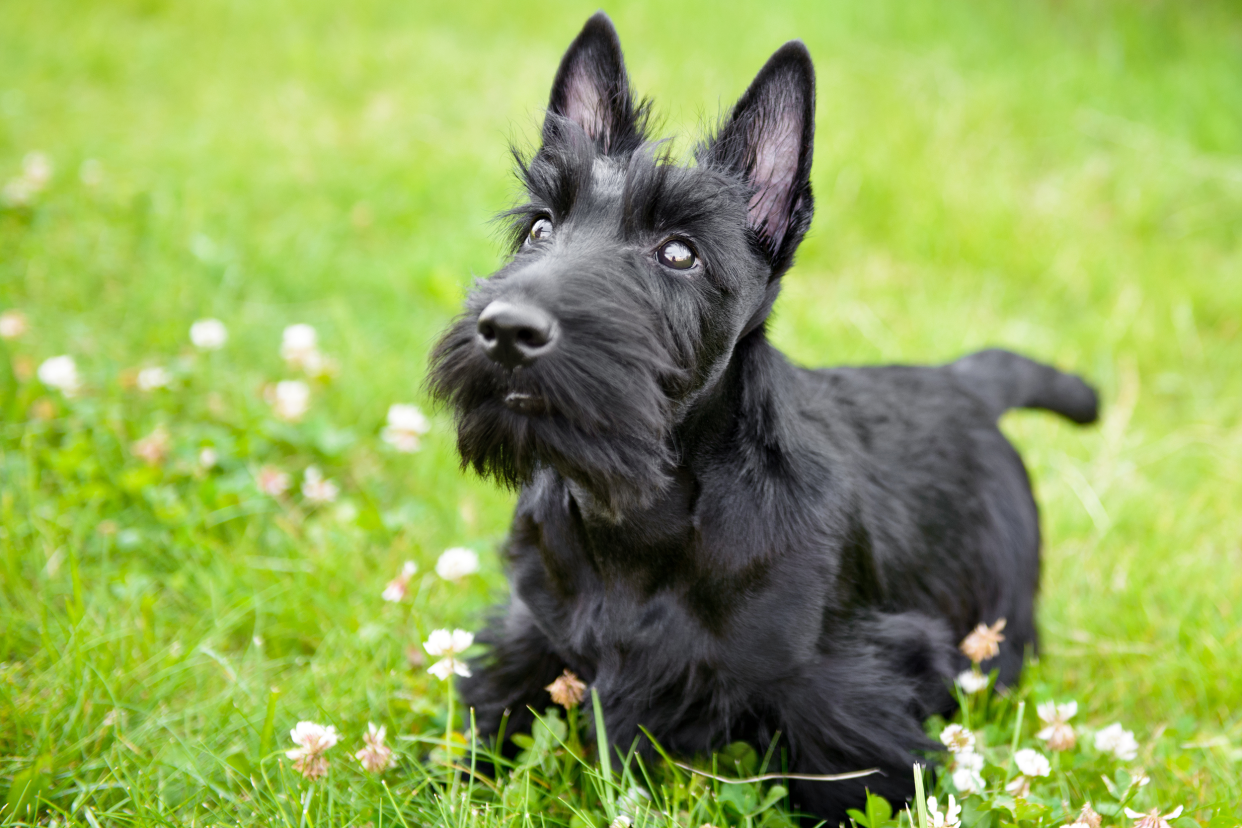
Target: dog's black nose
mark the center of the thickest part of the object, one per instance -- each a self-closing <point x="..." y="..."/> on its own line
<point x="515" y="335"/>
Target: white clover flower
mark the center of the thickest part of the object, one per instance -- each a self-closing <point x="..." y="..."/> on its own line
<point x="972" y="681"/>
<point x="317" y="365"/>
<point x="407" y="418"/>
<point x="1052" y="712"/>
<point x="376" y="757"/>
<point x="290" y="399"/>
<point x="397" y="588"/>
<point x="299" y="347"/>
<point x="1059" y="733"/>
<point x="312" y="741"/>
<point x="456" y="563"/>
<point x="297" y="340"/>
<point x="37" y="169"/>
<point x="958" y="739"/>
<point x="1019" y="787"/>
<point x="967" y="781"/>
<point x="13" y="324"/>
<point x="1087" y="818"/>
<point x="1118" y="741"/>
<point x="153" y="449"/>
<point x="317" y="489"/>
<point x="1032" y="763"/>
<point x="983" y="643"/>
<point x="969" y="760"/>
<point x="951" y="818"/>
<point x="406" y="424"/>
<point x="17" y="192"/>
<point x="209" y="334"/>
<point x="447" y="646"/>
<point x="208" y="458"/>
<point x="443" y="642"/>
<point x="1153" y="818"/>
<point x="61" y="373"/>
<point x="966" y="770"/>
<point x="36" y="173"/>
<point x="314" y="737"/>
<point x="300" y="352"/>
<point x="567" y="690"/>
<point x="273" y="482"/>
<point x="149" y="379"/>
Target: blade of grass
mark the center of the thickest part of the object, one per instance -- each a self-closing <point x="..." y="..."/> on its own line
<point x="920" y="800"/>
<point x="605" y="760"/>
<point x="268" y="736"/>
<point x="1013" y="743"/>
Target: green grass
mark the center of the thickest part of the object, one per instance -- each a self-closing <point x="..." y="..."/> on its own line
<point x="1063" y="179"/>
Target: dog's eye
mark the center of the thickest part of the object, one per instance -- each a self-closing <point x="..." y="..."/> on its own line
<point x="540" y="230"/>
<point x="677" y="255"/>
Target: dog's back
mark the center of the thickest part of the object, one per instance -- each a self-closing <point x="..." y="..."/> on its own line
<point x="944" y="497"/>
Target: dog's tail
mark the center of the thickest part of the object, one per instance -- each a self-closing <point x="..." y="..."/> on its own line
<point x="1005" y="380"/>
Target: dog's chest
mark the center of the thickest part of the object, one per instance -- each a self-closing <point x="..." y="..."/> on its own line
<point x="644" y="595"/>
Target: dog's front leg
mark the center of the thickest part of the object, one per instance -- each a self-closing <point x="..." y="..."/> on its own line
<point x="511" y="677"/>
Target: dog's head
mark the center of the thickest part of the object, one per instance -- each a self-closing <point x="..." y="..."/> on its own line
<point x="631" y="279"/>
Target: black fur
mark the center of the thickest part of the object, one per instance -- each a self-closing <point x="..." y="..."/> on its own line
<point x="725" y="545"/>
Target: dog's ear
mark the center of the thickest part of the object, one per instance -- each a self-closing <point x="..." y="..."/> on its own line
<point x="592" y="90"/>
<point x="768" y="140"/>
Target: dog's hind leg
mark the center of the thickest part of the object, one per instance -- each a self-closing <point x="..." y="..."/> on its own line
<point x="921" y="649"/>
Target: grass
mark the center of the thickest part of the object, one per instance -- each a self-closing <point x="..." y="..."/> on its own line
<point x="1064" y="179"/>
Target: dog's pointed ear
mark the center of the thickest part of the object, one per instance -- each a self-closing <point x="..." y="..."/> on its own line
<point x="768" y="140"/>
<point x="592" y="89"/>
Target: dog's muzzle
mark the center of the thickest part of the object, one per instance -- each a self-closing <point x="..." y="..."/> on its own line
<point x="515" y="335"/>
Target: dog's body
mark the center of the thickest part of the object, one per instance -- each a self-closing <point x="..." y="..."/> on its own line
<point x="722" y="544"/>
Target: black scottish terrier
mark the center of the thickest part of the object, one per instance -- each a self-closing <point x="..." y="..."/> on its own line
<point x="724" y="545"/>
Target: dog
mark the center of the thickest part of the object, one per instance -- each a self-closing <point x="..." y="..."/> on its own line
<point x="723" y="545"/>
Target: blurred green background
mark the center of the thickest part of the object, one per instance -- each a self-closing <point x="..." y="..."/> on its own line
<point x="1060" y="178"/>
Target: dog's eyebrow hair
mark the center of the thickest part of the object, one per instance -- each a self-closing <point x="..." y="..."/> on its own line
<point x="645" y="178"/>
<point x="660" y="195"/>
<point x="559" y="171"/>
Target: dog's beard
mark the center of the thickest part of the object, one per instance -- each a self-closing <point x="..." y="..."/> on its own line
<point x="597" y="411"/>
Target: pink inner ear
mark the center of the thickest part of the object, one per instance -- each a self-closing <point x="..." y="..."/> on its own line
<point x="776" y="141"/>
<point x="583" y="104"/>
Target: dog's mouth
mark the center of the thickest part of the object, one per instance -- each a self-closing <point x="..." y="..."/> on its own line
<point x="570" y="410"/>
<point x="523" y="403"/>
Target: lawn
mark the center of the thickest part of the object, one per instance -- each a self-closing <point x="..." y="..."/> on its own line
<point x="1063" y="179"/>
